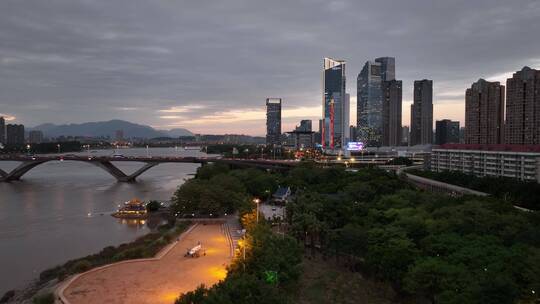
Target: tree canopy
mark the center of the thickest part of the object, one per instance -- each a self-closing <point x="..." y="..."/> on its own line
<point x="428" y="246"/>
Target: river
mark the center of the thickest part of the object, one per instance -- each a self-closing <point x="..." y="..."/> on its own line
<point x="60" y="210"/>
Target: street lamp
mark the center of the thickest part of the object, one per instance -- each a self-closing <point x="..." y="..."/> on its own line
<point x="58" y="146"/>
<point x="28" y="149"/>
<point x="257" y="201"/>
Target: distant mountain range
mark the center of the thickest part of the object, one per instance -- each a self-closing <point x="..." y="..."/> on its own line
<point x="108" y="128"/>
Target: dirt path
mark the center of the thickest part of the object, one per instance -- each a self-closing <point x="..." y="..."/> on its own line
<point x="159" y="281"/>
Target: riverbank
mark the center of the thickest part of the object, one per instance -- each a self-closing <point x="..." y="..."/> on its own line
<point x="143" y="247"/>
<point x="54" y="213"/>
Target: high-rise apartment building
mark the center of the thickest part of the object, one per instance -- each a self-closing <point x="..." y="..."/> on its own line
<point x="446" y="132"/>
<point x="15" y="134"/>
<point x="422" y="113"/>
<point x="391" y="114"/>
<point x="335" y="115"/>
<point x="484" y="113"/>
<point x="371" y="99"/>
<point x="523" y="108"/>
<point x="2" y="130"/>
<point x="273" y="121"/>
<point x="35" y="137"/>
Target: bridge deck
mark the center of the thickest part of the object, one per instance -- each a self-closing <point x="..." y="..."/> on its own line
<point x="106" y="163"/>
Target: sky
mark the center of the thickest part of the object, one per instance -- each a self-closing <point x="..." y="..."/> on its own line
<point x="208" y="66"/>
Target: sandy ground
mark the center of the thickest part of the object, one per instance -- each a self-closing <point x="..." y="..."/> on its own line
<point x="159" y="281"/>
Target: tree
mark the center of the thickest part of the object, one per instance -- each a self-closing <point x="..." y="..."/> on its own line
<point x="209" y="170"/>
<point x="389" y="253"/>
<point x="153" y="206"/>
<point x="431" y="276"/>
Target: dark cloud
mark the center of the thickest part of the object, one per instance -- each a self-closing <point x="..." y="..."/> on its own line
<point x="72" y="61"/>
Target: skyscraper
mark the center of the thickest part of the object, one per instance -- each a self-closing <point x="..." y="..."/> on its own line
<point x="446" y="132"/>
<point x="388" y="68"/>
<point x="334" y="101"/>
<point x="391" y="114"/>
<point x="346" y="120"/>
<point x="273" y="121"/>
<point x="523" y="108"/>
<point x="15" y="134"/>
<point x="422" y="113"/>
<point x="2" y="130"/>
<point x="484" y="113"/>
<point x="370" y="99"/>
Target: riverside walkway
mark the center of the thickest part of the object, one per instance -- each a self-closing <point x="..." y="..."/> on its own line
<point x="159" y="280"/>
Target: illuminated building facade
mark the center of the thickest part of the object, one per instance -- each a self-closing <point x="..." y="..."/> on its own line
<point x="335" y="105"/>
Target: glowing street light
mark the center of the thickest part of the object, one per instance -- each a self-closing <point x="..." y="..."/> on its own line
<point x="257" y="201"/>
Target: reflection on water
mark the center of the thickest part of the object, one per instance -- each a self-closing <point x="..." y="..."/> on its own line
<point x="132" y="222"/>
<point x="61" y="210"/>
<point x="151" y="223"/>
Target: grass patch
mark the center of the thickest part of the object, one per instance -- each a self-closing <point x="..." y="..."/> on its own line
<point x="145" y="246"/>
<point x="47" y="298"/>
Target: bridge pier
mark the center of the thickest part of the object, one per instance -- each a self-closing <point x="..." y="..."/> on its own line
<point x="19" y="171"/>
<point x="119" y="174"/>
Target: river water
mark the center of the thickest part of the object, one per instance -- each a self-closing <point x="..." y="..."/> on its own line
<point x="60" y="210"/>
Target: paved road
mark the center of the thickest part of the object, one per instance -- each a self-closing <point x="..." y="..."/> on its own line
<point x="271" y="211"/>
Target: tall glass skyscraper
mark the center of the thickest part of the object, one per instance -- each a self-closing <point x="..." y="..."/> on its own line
<point x="369" y="109"/>
<point x="273" y="121"/>
<point x="335" y="114"/>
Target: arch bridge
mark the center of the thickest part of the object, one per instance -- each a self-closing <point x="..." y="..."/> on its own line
<point x="27" y="163"/>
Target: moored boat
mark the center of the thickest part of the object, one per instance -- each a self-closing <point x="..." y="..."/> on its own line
<point x="133" y="209"/>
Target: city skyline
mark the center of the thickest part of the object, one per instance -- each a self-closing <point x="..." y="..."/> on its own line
<point x="244" y="151"/>
<point x="167" y="74"/>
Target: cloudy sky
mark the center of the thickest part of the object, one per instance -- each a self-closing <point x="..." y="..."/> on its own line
<point x="209" y="65"/>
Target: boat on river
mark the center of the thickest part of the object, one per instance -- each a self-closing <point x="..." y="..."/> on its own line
<point x="133" y="209"/>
